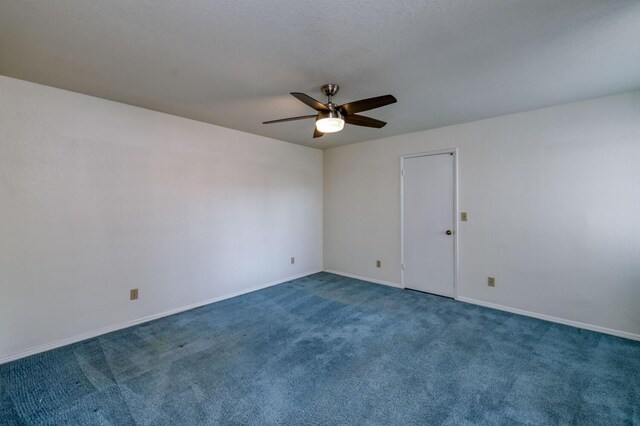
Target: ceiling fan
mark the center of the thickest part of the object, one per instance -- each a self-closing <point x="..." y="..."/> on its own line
<point x="331" y="117"/>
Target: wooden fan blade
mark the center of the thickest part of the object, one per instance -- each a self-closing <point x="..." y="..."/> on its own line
<point x="317" y="133"/>
<point x="282" y="120"/>
<point x="317" y="105"/>
<point x="367" y="104"/>
<point x="361" y="120"/>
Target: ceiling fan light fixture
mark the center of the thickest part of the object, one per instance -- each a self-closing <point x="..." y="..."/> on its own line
<point x="330" y="122"/>
<point x="331" y="118"/>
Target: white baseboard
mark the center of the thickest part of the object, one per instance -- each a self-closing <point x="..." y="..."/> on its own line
<point x="131" y="323"/>
<point x="618" y="333"/>
<point x="358" y="277"/>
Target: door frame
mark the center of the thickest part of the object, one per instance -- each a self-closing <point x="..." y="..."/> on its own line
<point x="454" y="152"/>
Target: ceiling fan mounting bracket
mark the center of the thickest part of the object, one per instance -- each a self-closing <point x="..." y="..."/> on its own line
<point x="330" y="89"/>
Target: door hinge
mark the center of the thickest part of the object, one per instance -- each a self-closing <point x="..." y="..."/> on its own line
<point x="402" y="172"/>
<point x="403" y="267"/>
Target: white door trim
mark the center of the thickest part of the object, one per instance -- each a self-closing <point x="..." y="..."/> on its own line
<point x="454" y="152"/>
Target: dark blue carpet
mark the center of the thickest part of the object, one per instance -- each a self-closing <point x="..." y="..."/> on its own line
<point x="331" y="350"/>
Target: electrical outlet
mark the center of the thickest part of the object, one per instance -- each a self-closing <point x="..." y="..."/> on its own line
<point x="293" y="260"/>
<point x="491" y="281"/>
<point x="378" y="264"/>
<point x="463" y="216"/>
<point x="133" y="294"/>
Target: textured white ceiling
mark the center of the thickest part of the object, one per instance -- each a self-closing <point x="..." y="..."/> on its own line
<point x="233" y="63"/>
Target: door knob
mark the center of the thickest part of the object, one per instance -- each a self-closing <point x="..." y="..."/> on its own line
<point x="448" y="232"/>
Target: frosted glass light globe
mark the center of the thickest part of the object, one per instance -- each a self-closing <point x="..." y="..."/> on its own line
<point x="330" y="124"/>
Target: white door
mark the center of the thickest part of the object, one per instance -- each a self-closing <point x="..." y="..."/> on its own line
<point x="429" y="215"/>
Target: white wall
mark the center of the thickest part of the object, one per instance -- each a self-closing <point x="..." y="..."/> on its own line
<point x="553" y="197"/>
<point x="98" y="197"/>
